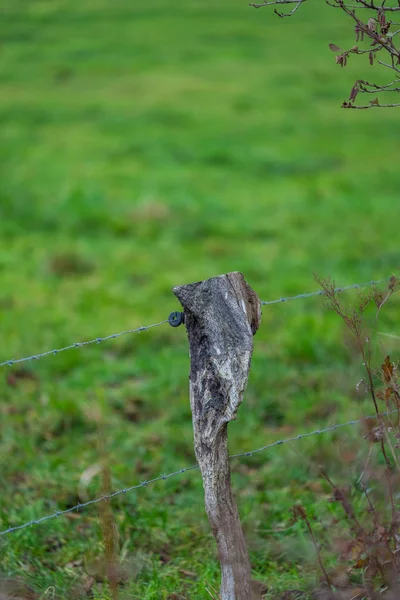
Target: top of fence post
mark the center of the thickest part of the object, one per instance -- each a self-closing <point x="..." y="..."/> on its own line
<point x="221" y="316"/>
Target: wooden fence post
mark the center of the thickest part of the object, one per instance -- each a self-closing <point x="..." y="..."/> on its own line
<point x="221" y="316"/>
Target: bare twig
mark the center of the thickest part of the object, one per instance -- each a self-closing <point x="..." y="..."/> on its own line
<point x="371" y="6"/>
<point x="364" y="85"/>
<point x="289" y="14"/>
<point x="300" y="513"/>
<point x="392" y="67"/>
<point x="375" y="30"/>
<point x="277" y="2"/>
<point x="348" y="105"/>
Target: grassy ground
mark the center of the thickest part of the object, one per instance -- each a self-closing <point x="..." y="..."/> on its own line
<point x="144" y="146"/>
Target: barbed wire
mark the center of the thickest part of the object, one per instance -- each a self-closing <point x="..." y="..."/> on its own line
<point x="98" y="340"/>
<point x="323" y="293"/>
<point x="301" y="436"/>
<point x="14" y="361"/>
<point x="77" y="507"/>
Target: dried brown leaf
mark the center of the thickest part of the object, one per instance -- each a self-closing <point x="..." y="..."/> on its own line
<point x="387" y="369"/>
<point x="353" y="93"/>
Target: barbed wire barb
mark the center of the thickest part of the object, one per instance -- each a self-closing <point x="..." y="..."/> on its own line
<point x="59" y="513"/>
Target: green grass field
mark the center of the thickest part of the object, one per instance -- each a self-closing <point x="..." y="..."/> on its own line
<point x="146" y="146"/>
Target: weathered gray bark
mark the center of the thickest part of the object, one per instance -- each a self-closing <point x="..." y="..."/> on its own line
<point x="221" y="316"/>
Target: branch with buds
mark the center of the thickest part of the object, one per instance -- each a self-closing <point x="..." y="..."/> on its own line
<point x="374" y="26"/>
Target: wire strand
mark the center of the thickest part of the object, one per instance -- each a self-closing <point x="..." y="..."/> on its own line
<point x="147" y="482"/>
<point x="98" y="340"/>
<point x="323" y="293"/>
<point x="14" y="361"/>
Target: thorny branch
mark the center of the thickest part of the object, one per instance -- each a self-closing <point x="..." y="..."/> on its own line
<point x="375" y="28"/>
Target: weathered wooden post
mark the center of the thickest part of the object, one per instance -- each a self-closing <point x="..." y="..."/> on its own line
<point x="221" y="316"/>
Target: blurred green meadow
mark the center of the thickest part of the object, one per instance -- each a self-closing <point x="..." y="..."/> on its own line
<point x="145" y="146"/>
